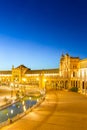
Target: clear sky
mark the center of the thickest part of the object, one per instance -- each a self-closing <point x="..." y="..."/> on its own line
<point x="36" y="32"/>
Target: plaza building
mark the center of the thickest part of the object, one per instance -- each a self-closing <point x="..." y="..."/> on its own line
<point x="72" y="72"/>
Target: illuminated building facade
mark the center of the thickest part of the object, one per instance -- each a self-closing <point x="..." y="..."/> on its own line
<point x="72" y="72"/>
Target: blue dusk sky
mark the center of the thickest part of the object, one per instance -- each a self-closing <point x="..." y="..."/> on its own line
<point x="36" y="32"/>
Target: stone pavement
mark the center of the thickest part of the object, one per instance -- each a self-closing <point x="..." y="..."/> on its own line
<point x="60" y="111"/>
<point x="5" y="93"/>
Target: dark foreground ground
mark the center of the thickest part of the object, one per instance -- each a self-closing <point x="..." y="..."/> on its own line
<point x="60" y="111"/>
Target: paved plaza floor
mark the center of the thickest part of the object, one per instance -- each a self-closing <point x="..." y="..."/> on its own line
<point x="5" y="92"/>
<point x="61" y="110"/>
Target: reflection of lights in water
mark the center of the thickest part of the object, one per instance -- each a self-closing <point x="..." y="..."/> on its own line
<point x="24" y="108"/>
<point x="37" y="100"/>
<point x="11" y="111"/>
<point x="18" y="106"/>
<point x="23" y="102"/>
<point x="7" y="114"/>
<point x="12" y="84"/>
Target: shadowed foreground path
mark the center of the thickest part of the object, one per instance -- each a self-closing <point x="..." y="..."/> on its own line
<point x="60" y="111"/>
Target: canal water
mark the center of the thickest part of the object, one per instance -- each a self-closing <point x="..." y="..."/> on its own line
<point x="16" y="108"/>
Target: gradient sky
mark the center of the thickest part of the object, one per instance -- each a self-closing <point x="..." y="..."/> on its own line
<point x="36" y="32"/>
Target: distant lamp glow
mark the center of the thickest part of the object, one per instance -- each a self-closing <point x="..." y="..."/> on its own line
<point x="44" y="80"/>
<point x="30" y="98"/>
<point x="37" y="78"/>
<point x="15" y="85"/>
<point x="11" y="84"/>
<point x="24" y="79"/>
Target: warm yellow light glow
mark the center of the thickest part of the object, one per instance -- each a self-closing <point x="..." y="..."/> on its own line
<point x="24" y="108"/>
<point x="32" y="74"/>
<point x="15" y="85"/>
<point x="37" y="100"/>
<point x="44" y="80"/>
<point x="5" y="75"/>
<point x="34" y="115"/>
<point x="12" y="84"/>
<point x="30" y="98"/>
<point x="51" y="74"/>
<point x="37" y="78"/>
<point x="23" y="102"/>
<point x="82" y="73"/>
<point x="60" y="73"/>
<point x="11" y="111"/>
<point x="24" y="79"/>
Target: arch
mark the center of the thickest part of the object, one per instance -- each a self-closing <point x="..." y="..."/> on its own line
<point x="83" y="85"/>
<point x="66" y="84"/>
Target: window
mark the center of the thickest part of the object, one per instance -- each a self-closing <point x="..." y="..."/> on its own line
<point x="73" y="74"/>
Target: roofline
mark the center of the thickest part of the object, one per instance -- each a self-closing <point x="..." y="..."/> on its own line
<point x="83" y="59"/>
<point x="74" y="57"/>
<point x="44" y="69"/>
